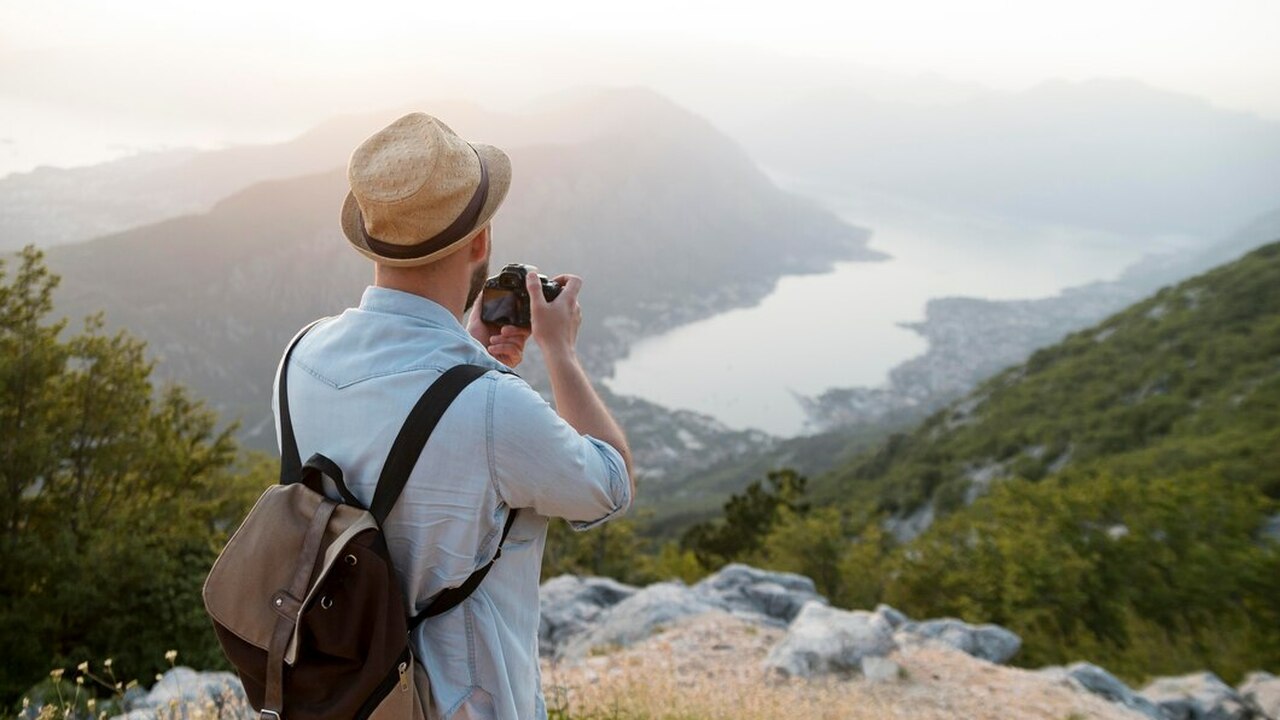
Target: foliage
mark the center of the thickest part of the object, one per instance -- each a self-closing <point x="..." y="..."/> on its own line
<point x="116" y="495"/>
<point x="1141" y="575"/>
<point x="748" y="519"/>
<point x="616" y="550"/>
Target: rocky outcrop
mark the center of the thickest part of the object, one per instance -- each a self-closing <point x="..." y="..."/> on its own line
<point x="823" y="640"/>
<point x="774" y="597"/>
<point x="570" y="605"/>
<point x="1094" y="679"/>
<point x="1261" y="690"/>
<point x="1199" y="696"/>
<point x="636" y="618"/>
<point x="988" y="642"/>
<point x="581" y="615"/>
<point x="214" y="694"/>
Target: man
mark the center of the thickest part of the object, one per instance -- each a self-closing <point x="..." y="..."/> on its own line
<point x="420" y="204"/>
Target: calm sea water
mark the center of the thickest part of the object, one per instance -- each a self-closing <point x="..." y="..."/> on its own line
<point x="840" y="329"/>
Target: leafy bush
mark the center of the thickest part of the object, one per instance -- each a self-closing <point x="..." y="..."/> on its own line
<point x="117" y="495"/>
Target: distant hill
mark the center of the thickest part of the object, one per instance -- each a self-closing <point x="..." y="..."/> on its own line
<point x="1110" y="154"/>
<point x="666" y="219"/>
<point x="53" y="206"/>
<point x="1187" y="378"/>
<point x="686" y="497"/>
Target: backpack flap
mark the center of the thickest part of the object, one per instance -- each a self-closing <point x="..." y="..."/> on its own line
<point x="245" y="595"/>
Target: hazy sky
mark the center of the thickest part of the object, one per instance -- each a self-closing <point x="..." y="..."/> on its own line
<point x="79" y="77"/>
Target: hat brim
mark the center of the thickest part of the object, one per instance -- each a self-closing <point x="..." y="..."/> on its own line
<point x="499" y="168"/>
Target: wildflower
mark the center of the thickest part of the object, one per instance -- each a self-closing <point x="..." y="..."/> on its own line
<point x="107" y="663"/>
<point x="56" y="674"/>
<point x="83" y="667"/>
<point x="171" y="656"/>
<point x="91" y="703"/>
<point x="132" y="684"/>
<point x="159" y="677"/>
<point x="79" y="679"/>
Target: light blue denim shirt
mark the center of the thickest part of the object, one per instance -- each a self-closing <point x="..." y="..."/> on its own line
<point x="352" y="381"/>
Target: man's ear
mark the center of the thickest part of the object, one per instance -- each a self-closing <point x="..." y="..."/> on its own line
<point x="480" y="245"/>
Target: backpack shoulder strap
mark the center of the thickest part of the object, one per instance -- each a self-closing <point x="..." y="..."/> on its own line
<point x="290" y="462"/>
<point x="405" y="451"/>
<point x="413" y="436"/>
<point x="450" y="598"/>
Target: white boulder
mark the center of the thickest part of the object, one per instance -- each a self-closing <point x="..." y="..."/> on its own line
<point x="825" y="640"/>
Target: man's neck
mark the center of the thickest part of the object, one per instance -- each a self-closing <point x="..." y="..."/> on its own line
<point x="432" y="283"/>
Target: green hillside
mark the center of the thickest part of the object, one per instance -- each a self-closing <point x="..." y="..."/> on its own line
<point x="1185" y="379"/>
<point x="1113" y="498"/>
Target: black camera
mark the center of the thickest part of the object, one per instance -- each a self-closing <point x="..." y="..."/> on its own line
<point x="505" y="299"/>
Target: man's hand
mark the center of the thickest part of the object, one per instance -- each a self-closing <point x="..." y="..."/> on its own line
<point x="555" y="328"/>
<point x="505" y="344"/>
<point x="555" y="323"/>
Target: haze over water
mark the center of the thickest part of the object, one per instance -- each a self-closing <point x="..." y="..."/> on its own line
<point x="840" y="329"/>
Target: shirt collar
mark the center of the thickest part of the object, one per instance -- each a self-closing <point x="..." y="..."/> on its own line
<point x="398" y="302"/>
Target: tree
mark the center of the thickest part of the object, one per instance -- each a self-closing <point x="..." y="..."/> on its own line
<point x="1144" y="576"/>
<point x="117" y="495"/>
<point x="748" y="519"/>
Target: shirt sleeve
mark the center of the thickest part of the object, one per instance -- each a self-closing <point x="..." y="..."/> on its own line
<point x="537" y="460"/>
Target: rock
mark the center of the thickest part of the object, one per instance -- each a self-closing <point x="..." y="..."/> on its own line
<point x="879" y="669"/>
<point x="1199" y="696"/>
<point x="1094" y="679"/>
<point x="775" y="597"/>
<point x="637" y="617"/>
<point x="1262" y="691"/>
<point x="571" y="604"/>
<point x="1271" y="529"/>
<point x="189" y="689"/>
<point x="823" y="639"/>
<point x="988" y="642"/>
<point x="895" y="618"/>
<point x="909" y="527"/>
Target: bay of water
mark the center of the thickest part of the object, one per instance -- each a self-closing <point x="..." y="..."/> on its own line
<point x="839" y="329"/>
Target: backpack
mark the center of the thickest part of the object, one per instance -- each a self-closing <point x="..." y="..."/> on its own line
<point x="304" y="598"/>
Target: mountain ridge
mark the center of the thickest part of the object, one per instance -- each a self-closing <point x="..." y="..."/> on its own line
<point x="270" y="258"/>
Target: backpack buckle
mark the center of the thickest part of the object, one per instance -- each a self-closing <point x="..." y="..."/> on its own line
<point x="262" y="714"/>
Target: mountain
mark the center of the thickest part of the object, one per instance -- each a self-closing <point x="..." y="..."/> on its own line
<point x="1187" y="378"/>
<point x="665" y="218"/>
<point x="53" y="206"/>
<point x="1107" y="154"/>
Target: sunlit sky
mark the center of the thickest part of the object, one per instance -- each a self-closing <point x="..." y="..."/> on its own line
<point x="116" y="76"/>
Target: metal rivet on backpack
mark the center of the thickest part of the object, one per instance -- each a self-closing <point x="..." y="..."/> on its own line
<point x="350" y="559"/>
<point x="326" y="602"/>
<point x="279" y="602"/>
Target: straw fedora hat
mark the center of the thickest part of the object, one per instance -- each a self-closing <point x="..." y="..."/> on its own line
<point x="419" y="192"/>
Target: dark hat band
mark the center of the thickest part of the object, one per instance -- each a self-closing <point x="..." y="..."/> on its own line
<point x="450" y="235"/>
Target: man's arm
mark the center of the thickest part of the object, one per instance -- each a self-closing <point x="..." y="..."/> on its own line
<point x="555" y="329"/>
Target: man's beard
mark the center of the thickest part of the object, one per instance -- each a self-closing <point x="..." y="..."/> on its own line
<point x="478" y="276"/>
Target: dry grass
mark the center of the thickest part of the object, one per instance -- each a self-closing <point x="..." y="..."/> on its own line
<point x="710" y="668"/>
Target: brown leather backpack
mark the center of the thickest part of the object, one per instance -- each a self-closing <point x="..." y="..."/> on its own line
<point x="305" y="599"/>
